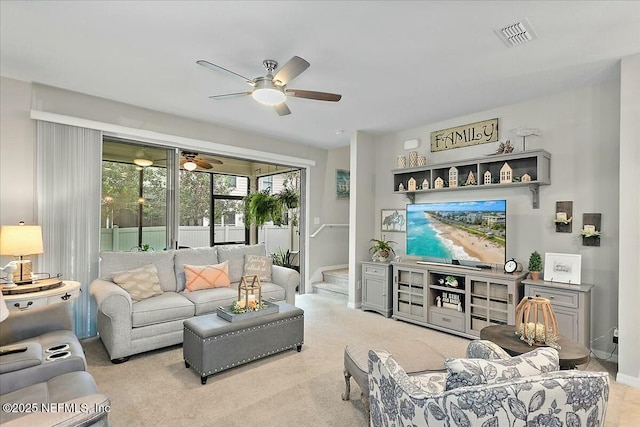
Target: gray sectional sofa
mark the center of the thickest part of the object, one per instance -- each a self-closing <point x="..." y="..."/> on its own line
<point x="127" y="327"/>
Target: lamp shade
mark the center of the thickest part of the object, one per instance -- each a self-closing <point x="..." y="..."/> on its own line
<point x="20" y="240"/>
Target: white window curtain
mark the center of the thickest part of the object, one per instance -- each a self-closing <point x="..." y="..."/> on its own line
<point x="69" y="162"/>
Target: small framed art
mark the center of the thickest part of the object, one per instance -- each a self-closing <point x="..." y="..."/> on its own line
<point x="563" y="268"/>
<point x="393" y="220"/>
<point x="342" y="184"/>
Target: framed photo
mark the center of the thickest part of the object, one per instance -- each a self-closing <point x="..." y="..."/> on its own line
<point x="393" y="220"/>
<point x="563" y="268"/>
<point x="342" y="184"/>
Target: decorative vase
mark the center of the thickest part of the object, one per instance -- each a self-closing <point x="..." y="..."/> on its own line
<point x="413" y="159"/>
<point x="422" y="160"/>
<point x="402" y="161"/>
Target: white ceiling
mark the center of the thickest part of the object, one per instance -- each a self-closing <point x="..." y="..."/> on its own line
<point x="397" y="64"/>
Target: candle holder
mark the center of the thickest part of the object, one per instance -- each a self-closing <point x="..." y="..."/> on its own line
<point x="536" y="323"/>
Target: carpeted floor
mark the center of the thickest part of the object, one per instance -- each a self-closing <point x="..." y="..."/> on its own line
<point x="288" y="389"/>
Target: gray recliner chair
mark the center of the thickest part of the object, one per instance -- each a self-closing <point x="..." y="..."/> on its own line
<point x="42" y="364"/>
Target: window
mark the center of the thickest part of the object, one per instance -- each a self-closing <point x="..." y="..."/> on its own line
<point x="208" y="198"/>
<point x="265" y="183"/>
<point x="134" y="198"/>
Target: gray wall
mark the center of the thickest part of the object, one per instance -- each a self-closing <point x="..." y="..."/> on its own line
<point x="581" y="131"/>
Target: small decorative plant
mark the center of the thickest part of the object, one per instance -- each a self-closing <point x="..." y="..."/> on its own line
<point x="451" y="281"/>
<point x="239" y="307"/>
<point x="381" y="249"/>
<point x="535" y="265"/>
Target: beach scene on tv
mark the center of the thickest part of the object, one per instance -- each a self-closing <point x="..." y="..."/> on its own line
<point x="469" y="231"/>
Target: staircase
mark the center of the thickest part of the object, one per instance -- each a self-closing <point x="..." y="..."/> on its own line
<point x="334" y="282"/>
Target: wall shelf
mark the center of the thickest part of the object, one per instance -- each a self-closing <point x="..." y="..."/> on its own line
<point x="535" y="164"/>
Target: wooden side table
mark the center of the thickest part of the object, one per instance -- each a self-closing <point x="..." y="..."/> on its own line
<point x="571" y="353"/>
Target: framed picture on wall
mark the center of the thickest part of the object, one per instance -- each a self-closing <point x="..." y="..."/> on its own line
<point x="342" y="184"/>
<point x="393" y="220"/>
<point x="563" y="268"/>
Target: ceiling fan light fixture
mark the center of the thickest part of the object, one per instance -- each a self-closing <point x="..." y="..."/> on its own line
<point x="189" y="165"/>
<point x="142" y="162"/>
<point x="267" y="93"/>
<point x="268" y="96"/>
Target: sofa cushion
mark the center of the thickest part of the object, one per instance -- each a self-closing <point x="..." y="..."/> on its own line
<point x="59" y="389"/>
<point x="258" y="265"/>
<point x="271" y="291"/>
<point x="468" y="372"/>
<point x="192" y="256"/>
<point x="140" y="283"/>
<point x="206" y="276"/>
<point x="114" y="262"/>
<point x="162" y="308"/>
<point x="207" y="300"/>
<point x="235" y="256"/>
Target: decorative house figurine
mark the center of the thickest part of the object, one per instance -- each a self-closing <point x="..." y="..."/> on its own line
<point x="506" y="174"/>
<point x="471" y="179"/>
<point x="525" y="178"/>
<point x="453" y="177"/>
<point x="425" y="184"/>
<point x="401" y="187"/>
<point x="411" y="185"/>
<point x="413" y="159"/>
<point x="487" y="177"/>
<point x="438" y="183"/>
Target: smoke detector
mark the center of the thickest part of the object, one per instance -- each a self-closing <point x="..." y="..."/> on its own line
<point x="517" y="33"/>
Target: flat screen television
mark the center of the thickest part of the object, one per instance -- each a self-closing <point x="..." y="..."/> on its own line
<point x="469" y="233"/>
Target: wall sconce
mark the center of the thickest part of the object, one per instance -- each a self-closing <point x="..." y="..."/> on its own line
<point x="591" y="223"/>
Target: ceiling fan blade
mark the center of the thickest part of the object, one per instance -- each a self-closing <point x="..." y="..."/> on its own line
<point x="291" y="70"/>
<point x="202" y="164"/>
<point x="282" y="109"/>
<point x="310" y="94"/>
<point x="209" y="159"/>
<point x="215" y="67"/>
<point x="230" y="95"/>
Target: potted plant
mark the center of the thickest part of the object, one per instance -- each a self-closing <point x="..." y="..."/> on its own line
<point x="535" y="265"/>
<point x="262" y="206"/>
<point x="381" y="249"/>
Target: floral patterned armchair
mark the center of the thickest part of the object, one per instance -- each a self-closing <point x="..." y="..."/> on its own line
<point x="489" y="389"/>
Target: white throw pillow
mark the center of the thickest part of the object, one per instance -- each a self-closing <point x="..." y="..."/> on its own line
<point x="259" y="266"/>
<point x="140" y="283"/>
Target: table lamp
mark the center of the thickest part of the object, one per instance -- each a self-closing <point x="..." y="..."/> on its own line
<point x="20" y="241"/>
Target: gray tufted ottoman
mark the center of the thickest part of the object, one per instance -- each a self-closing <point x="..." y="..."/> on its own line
<point x="416" y="357"/>
<point x="211" y="344"/>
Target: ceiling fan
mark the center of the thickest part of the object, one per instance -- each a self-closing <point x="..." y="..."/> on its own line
<point x="272" y="89"/>
<point x="191" y="161"/>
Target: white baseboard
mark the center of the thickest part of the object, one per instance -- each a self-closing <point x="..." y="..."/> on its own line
<point x="317" y="275"/>
<point x="628" y="380"/>
<point x="355" y="306"/>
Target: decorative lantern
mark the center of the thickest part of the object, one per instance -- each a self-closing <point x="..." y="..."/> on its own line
<point x="536" y="323"/>
<point x="246" y="292"/>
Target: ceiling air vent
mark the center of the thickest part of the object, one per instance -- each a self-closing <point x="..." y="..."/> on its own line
<point x="516" y="34"/>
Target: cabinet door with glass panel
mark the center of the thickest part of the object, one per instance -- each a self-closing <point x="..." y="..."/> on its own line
<point x="490" y="302"/>
<point x="408" y="295"/>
